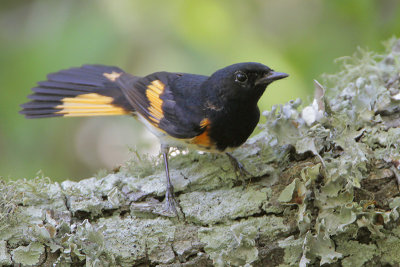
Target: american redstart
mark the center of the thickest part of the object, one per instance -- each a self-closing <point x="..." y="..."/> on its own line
<point x="214" y="113"/>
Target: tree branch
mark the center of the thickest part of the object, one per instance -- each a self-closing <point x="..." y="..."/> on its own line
<point x="324" y="191"/>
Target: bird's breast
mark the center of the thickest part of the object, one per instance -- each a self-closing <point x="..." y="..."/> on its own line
<point x="231" y="129"/>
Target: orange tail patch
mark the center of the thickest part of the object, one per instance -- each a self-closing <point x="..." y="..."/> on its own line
<point x="89" y="105"/>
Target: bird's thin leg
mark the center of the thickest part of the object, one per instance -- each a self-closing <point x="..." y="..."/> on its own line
<point x="170" y="201"/>
<point x="239" y="168"/>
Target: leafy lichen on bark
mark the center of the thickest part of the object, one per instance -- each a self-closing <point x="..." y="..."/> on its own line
<point x="324" y="191"/>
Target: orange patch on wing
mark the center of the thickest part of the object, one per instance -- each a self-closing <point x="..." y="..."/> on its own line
<point x="153" y="92"/>
<point x="89" y="105"/>
<point x="112" y="76"/>
<point x="203" y="139"/>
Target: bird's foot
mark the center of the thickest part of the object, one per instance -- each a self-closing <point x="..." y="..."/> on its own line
<point x="238" y="166"/>
<point x="240" y="170"/>
<point x="171" y="205"/>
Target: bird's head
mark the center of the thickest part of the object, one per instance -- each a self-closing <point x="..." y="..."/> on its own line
<point x="243" y="81"/>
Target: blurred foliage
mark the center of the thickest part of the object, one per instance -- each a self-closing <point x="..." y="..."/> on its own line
<point x="299" y="37"/>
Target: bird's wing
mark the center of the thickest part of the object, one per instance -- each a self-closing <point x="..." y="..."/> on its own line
<point x="160" y="99"/>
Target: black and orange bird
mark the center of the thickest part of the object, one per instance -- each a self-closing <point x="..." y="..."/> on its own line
<point x="214" y="113"/>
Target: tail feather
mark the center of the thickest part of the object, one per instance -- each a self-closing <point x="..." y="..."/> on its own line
<point x="56" y="91"/>
<point x="90" y="90"/>
<point x="48" y="97"/>
<point x="39" y="105"/>
<point x="68" y="86"/>
<point x="75" y="79"/>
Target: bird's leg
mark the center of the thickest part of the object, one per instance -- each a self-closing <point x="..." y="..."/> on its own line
<point x="170" y="201"/>
<point x="239" y="168"/>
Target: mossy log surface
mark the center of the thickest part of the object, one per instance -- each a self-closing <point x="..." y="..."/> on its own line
<point x="323" y="190"/>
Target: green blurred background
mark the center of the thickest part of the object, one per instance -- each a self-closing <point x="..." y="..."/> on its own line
<point x="299" y="37"/>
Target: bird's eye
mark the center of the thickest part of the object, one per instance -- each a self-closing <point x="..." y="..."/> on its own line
<point x="240" y="77"/>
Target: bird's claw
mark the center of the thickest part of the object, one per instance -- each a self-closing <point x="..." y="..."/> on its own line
<point x="170" y="203"/>
<point x="240" y="170"/>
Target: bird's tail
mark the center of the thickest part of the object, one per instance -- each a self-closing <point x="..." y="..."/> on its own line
<point x="90" y="90"/>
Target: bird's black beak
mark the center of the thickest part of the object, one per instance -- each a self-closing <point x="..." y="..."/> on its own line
<point x="270" y="77"/>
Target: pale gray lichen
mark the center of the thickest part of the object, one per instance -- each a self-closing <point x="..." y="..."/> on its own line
<point x="356" y="139"/>
<point x="353" y="139"/>
<point x="28" y="255"/>
<point x="133" y="240"/>
<point x="356" y="254"/>
<point x="222" y="205"/>
<point x="235" y="244"/>
<point x="5" y="257"/>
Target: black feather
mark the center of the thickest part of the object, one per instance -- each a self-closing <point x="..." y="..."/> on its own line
<point x="46" y="97"/>
<point x="68" y="86"/>
<point x="39" y="111"/>
<point x="40" y="105"/>
<point x="102" y="69"/>
<point x="77" y="79"/>
<point x="28" y="116"/>
<point x="55" y="91"/>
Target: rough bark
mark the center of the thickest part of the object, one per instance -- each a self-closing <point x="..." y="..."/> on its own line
<point x="324" y="191"/>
